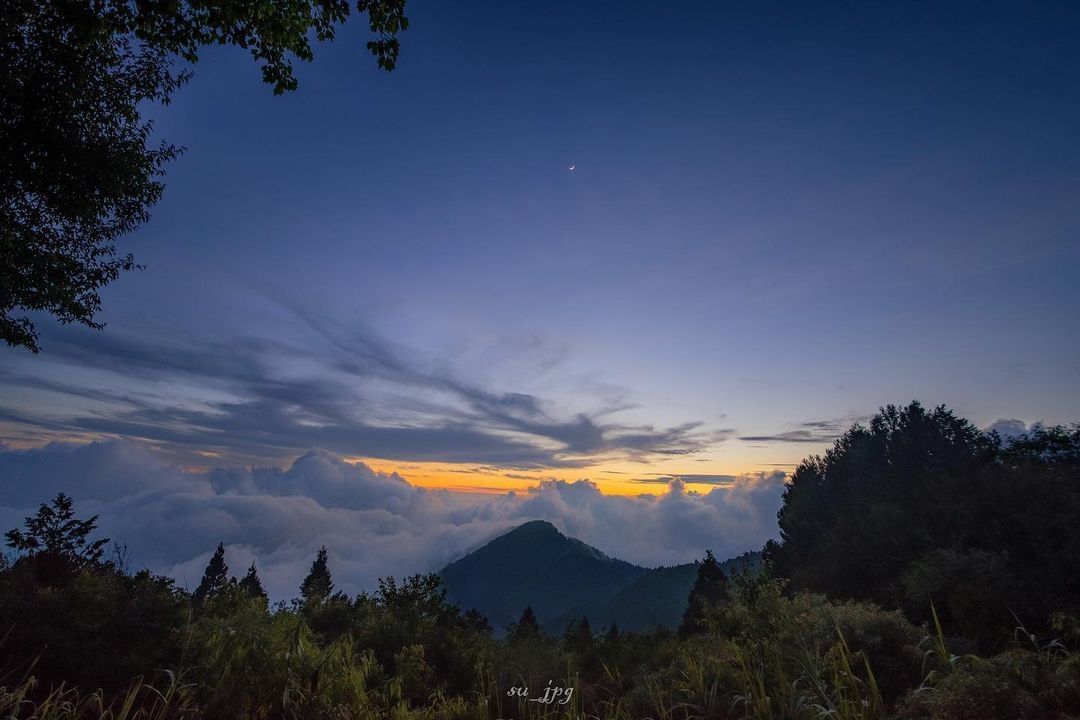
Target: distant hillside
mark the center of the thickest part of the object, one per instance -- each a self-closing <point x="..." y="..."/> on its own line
<point x="654" y="598"/>
<point x="563" y="579"/>
<point x="658" y="597"/>
<point x="534" y="564"/>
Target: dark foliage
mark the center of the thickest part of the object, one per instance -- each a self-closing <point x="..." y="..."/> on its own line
<point x="100" y="630"/>
<point x="525" y="627"/>
<point x="318" y="585"/>
<point x="78" y="166"/>
<point x="215" y="577"/>
<point x="56" y="543"/>
<point x="251" y="584"/>
<point x="921" y="505"/>
<point x="710" y="591"/>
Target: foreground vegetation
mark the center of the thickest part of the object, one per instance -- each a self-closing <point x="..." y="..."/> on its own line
<point x="941" y="627"/>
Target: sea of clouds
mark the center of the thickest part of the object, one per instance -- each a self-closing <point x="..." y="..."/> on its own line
<point x="373" y="524"/>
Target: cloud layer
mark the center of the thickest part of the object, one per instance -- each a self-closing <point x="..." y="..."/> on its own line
<point x="373" y="524"/>
<point x="266" y="400"/>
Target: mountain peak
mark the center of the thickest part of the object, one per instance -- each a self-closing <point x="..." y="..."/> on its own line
<point x="534" y="565"/>
<point x="561" y="578"/>
<point x="537" y="528"/>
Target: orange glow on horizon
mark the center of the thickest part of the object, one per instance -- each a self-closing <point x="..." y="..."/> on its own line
<point x="625" y="478"/>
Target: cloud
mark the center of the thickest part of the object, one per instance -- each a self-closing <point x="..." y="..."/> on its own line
<point x="694" y="479"/>
<point x="812" y="431"/>
<point x="259" y="401"/>
<point x="373" y="524"/>
<point x="792" y="436"/>
<point x="1009" y="428"/>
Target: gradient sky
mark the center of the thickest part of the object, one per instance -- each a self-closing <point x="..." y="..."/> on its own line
<point x="781" y="217"/>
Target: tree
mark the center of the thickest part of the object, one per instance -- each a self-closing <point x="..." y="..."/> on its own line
<point x="526" y="626"/>
<point x="78" y="166"/>
<point x="578" y="637"/>
<point x="920" y="504"/>
<point x="215" y="577"/>
<point x="251" y="584"/>
<point x="95" y="630"/>
<point x="477" y="621"/>
<point x="414" y="612"/>
<point x="710" y="590"/>
<point x="879" y="499"/>
<point x="317" y="585"/>
<point x="528" y="617"/>
<point x="56" y="533"/>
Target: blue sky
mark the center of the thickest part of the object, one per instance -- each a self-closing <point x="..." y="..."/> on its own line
<point x="781" y="217"/>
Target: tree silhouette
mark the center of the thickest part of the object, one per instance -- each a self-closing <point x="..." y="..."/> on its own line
<point x="526" y="626"/>
<point x="578" y="637"/>
<point x="710" y="590"/>
<point x="251" y="584"/>
<point x="77" y="166"/>
<point x="318" y="584"/>
<point x="920" y="503"/>
<point x="885" y="494"/>
<point x="215" y="577"/>
<point x="55" y="532"/>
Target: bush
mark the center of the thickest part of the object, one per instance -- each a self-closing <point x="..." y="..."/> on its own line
<point x="973" y="592"/>
<point x="101" y="630"/>
<point x="1021" y="684"/>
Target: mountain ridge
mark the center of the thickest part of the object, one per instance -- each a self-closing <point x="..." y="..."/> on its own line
<point x="563" y="579"/>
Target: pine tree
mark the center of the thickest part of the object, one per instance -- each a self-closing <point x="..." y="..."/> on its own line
<point x="528" y="618"/>
<point x="710" y="590"/>
<point x="251" y="584"/>
<point x="56" y="532"/>
<point x="215" y="577"/>
<point x="525" y="627"/>
<point x="317" y="585"/>
<point x="578" y="637"/>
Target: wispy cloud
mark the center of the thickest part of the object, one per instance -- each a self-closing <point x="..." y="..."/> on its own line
<point x="260" y="400"/>
<point x="692" y="479"/>
<point x="812" y="431"/>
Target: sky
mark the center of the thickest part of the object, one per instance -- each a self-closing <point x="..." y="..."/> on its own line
<point x="780" y="217"/>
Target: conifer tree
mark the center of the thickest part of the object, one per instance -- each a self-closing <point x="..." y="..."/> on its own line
<point x="579" y="636"/>
<point x="251" y="584"/>
<point x="318" y="584"/>
<point x="710" y="590"/>
<point x="526" y="626"/>
<point x="56" y="532"/>
<point x="215" y="577"/>
<point x="528" y="618"/>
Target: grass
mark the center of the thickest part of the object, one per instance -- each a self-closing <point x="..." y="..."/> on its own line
<point x="793" y="674"/>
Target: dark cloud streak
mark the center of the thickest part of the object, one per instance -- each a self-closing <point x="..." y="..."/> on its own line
<point x="812" y="431"/>
<point x="259" y="400"/>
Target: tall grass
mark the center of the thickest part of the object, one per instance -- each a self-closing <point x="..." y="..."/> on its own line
<point x="142" y="701"/>
<point x="839" y="685"/>
<point x="278" y="670"/>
